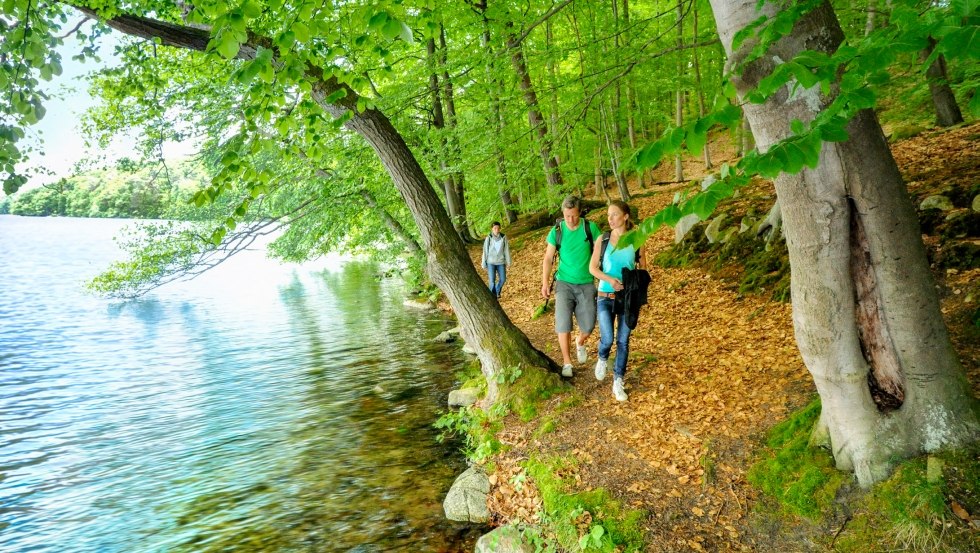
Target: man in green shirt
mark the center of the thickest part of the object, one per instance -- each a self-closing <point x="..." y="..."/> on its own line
<point x="574" y="287"/>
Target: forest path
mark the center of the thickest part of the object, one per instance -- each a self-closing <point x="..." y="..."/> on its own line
<point x="710" y="371"/>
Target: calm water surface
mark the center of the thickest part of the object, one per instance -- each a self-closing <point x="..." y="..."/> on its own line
<point x="257" y="408"/>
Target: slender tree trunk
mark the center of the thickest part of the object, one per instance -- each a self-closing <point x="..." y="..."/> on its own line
<point x="439" y="123"/>
<point x="865" y="308"/>
<point x="624" y="192"/>
<point x="503" y="188"/>
<point x="497" y="342"/>
<point x="869" y="24"/>
<point x="630" y="89"/>
<point x="552" y="171"/>
<point x="600" y="178"/>
<point x="456" y="175"/>
<point x="943" y="100"/>
<point x="393" y="225"/>
<point x="679" y="105"/>
<point x="699" y="88"/>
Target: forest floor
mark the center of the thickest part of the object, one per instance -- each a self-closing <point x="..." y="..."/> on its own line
<point x="710" y="370"/>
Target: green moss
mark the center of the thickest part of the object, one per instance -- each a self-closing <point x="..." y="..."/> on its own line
<point x="764" y="268"/>
<point x="907" y="512"/>
<point x="801" y="478"/>
<point x="588" y="521"/>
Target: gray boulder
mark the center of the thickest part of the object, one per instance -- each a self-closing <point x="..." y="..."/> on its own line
<point x="418" y="304"/>
<point x="684" y="226"/>
<point x="445" y="337"/>
<point x="712" y="233"/>
<point x="506" y="539"/>
<point x="463" y="397"/>
<point x="468" y="349"/>
<point x="936" y="202"/>
<point x="748" y="223"/>
<point x="467" y="498"/>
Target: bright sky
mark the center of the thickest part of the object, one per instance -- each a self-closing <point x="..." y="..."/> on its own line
<point x="59" y="132"/>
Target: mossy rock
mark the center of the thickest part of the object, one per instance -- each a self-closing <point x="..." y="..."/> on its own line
<point x="902" y="132"/>
<point x="958" y="255"/>
<point x="961" y="224"/>
<point x="930" y="220"/>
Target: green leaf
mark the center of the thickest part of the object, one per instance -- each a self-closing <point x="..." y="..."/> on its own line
<point x="703" y="204"/>
<point x="962" y="43"/>
<point x="228" y="46"/>
<point x="406" y="33"/>
<point x="336" y="95"/>
<point x="252" y="9"/>
<point x="377" y="22"/>
<point x="975" y="105"/>
<point x="695" y="140"/>
<point x="392" y="28"/>
<point x="301" y="31"/>
<point x="650" y="155"/>
<point x="797" y="126"/>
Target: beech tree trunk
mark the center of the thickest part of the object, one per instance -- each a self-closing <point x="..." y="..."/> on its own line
<point x="679" y="91"/>
<point x="498" y="343"/>
<point x="943" y="100"/>
<point x="552" y="172"/>
<point x="503" y="187"/>
<point x="865" y="309"/>
<point x="456" y="175"/>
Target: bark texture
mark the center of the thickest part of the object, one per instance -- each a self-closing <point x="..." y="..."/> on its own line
<point x="947" y="110"/>
<point x="865" y="310"/>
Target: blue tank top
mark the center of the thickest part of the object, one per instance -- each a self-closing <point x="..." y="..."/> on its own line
<point x="614" y="262"/>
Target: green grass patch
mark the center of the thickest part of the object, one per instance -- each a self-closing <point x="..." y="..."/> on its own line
<point x="583" y="521"/>
<point x="801" y="478"/>
<point x="911" y="512"/>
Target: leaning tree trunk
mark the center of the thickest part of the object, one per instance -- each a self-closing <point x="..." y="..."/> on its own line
<point x="498" y="343"/>
<point x="393" y="225"/>
<point x="943" y="100"/>
<point x="865" y="309"/>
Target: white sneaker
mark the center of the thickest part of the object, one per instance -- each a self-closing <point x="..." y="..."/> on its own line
<point x="583" y="354"/>
<point x="600" y="369"/>
<point x="566" y="371"/>
<point x="618" y="389"/>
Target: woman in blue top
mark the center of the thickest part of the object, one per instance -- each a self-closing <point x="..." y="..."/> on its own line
<point x="609" y="271"/>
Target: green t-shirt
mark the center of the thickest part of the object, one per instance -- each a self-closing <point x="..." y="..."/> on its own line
<point x="575" y="253"/>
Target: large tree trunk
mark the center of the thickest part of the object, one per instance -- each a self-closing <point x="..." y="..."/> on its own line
<point x="865" y="309"/>
<point x="943" y="100"/>
<point x="497" y="342"/>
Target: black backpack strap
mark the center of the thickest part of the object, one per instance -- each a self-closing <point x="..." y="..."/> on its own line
<point x="603" y="244"/>
<point x="588" y="233"/>
<point x="558" y="235"/>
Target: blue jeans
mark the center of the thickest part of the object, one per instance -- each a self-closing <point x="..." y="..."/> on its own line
<point x="497" y="273"/>
<point x="604" y="311"/>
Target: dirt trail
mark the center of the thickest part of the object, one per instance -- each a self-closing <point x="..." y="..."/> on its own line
<point x="710" y="370"/>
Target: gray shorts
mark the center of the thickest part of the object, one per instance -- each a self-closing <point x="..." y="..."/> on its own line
<point x="577" y="298"/>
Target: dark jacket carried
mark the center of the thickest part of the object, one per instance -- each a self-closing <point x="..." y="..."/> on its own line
<point x="633" y="296"/>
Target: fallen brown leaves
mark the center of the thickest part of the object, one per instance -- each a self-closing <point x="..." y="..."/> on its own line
<point x="709" y="371"/>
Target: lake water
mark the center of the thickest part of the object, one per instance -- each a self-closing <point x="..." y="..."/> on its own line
<point x="260" y="407"/>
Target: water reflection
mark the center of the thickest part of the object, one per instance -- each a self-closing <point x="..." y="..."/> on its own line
<point x="258" y="409"/>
